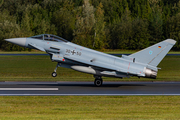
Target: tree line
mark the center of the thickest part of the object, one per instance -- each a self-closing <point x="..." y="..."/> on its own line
<point x="97" y="24"/>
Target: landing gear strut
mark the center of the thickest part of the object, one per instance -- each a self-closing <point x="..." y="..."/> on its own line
<point x="98" y="81"/>
<point x="54" y="74"/>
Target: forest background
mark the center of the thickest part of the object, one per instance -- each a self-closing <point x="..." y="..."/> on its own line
<point x="97" y="24"/>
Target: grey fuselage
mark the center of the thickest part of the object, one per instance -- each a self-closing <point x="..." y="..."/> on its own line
<point x="73" y="56"/>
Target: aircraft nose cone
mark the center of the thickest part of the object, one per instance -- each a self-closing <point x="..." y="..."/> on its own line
<point x="17" y="41"/>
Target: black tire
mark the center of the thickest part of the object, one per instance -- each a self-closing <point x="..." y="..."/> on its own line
<point x="54" y="74"/>
<point x="98" y="82"/>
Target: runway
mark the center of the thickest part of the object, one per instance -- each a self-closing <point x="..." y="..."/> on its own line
<point x="88" y="88"/>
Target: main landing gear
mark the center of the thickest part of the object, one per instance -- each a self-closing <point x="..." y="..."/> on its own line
<point x="98" y="81"/>
<point x="54" y="74"/>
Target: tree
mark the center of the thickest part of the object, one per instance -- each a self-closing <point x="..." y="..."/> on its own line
<point x="64" y="19"/>
<point x="9" y="29"/>
<point x="173" y="30"/>
<point x="36" y="21"/>
<point x="140" y="34"/>
<point x="122" y="31"/>
<point x="1" y="2"/>
<point x="156" y="22"/>
<point x="84" y="28"/>
<point x="100" y="37"/>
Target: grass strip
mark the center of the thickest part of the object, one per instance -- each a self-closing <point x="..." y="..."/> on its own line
<point x="89" y="107"/>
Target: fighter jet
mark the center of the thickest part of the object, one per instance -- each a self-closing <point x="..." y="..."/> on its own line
<point x="69" y="55"/>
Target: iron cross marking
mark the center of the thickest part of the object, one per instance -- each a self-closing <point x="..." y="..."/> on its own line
<point x="73" y="52"/>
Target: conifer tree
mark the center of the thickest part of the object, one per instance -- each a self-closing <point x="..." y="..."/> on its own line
<point x="99" y="37"/>
<point x="84" y="28"/>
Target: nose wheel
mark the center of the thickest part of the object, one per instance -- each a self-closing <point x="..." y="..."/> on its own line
<point x="54" y="74"/>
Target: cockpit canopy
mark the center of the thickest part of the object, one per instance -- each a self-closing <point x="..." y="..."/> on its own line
<point x="49" y="37"/>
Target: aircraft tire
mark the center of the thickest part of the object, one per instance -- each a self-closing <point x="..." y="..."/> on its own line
<point x="54" y="74"/>
<point x="98" y="82"/>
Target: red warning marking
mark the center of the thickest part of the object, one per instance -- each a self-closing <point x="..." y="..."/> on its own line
<point x="159" y="46"/>
<point x="128" y="66"/>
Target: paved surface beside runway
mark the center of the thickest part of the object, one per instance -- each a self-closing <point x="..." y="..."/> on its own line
<point x="88" y="88"/>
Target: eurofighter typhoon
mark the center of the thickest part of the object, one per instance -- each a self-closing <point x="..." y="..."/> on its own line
<point x="69" y="55"/>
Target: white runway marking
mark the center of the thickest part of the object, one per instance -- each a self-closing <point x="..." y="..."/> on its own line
<point x="29" y="89"/>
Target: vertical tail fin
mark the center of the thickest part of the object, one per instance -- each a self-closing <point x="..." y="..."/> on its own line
<point x="154" y="54"/>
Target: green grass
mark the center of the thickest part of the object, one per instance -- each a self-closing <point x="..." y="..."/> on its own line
<point x="89" y="107"/>
<point x="39" y="68"/>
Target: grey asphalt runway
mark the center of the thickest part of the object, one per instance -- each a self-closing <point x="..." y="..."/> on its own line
<point x="88" y="88"/>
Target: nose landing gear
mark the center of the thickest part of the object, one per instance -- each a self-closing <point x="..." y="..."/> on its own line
<point x="54" y="74"/>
